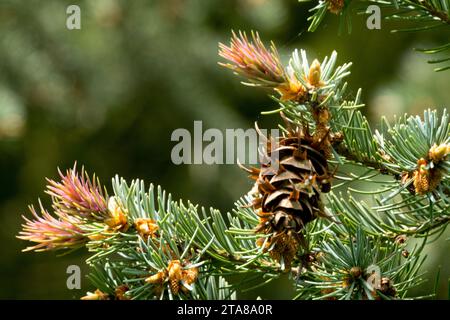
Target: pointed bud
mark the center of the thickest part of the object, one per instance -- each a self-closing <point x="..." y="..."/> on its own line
<point x="315" y="74"/>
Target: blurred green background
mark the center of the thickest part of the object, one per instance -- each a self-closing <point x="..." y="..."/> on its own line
<point x="110" y="95"/>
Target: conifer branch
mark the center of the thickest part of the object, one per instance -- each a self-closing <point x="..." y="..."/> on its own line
<point x="422" y="15"/>
<point x="145" y="245"/>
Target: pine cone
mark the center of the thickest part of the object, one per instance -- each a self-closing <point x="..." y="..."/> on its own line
<point x="288" y="195"/>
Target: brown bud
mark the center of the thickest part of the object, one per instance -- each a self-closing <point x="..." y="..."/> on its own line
<point x="335" y="6"/>
<point x="355" y="272"/>
<point x="400" y="239"/>
<point x="405" y="253"/>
